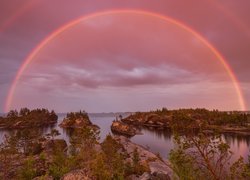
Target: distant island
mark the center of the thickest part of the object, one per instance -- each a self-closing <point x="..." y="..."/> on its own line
<point x="27" y="118"/>
<point x="191" y="119"/>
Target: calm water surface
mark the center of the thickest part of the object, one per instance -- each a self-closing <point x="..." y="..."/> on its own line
<point x="157" y="141"/>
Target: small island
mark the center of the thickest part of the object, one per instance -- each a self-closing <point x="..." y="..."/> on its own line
<point x="119" y="127"/>
<point x="77" y="120"/>
<point x="27" y="118"/>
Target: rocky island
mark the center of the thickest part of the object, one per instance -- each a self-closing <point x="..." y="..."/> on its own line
<point x="192" y="119"/>
<point x="77" y="120"/>
<point x="119" y="127"/>
<point x="26" y="118"/>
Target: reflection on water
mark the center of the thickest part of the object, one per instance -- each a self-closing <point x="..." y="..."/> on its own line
<point x="165" y="134"/>
<point x="158" y="141"/>
<point x="239" y="144"/>
<point x="36" y="131"/>
<point x="238" y="139"/>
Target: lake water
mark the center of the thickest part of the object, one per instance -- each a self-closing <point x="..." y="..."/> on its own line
<point x="156" y="141"/>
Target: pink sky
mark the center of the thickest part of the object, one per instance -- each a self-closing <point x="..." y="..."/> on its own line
<point x="124" y="62"/>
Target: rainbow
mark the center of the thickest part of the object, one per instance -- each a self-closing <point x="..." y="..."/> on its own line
<point x="15" y="16"/>
<point x="236" y="20"/>
<point x="175" y="22"/>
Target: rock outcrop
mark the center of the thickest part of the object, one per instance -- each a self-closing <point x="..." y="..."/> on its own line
<point x="159" y="168"/>
<point x="118" y="127"/>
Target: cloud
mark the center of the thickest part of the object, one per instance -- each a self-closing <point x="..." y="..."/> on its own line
<point x="111" y="77"/>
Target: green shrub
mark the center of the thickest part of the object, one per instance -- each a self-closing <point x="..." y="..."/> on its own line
<point x="59" y="166"/>
<point x="28" y="170"/>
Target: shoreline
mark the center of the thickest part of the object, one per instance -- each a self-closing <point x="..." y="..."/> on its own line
<point x="157" y="165"/>
<point x="234" y="130"/>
